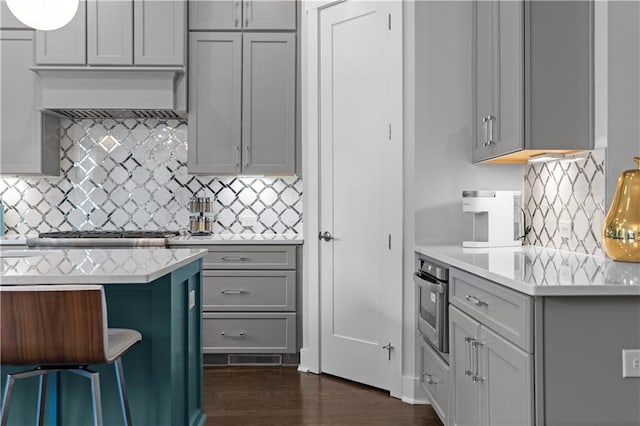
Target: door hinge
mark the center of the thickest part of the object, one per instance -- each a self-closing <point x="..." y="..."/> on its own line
<point x="389" y="22"/>
<point x="389" y="131"/>
<point x="389" y="241"/>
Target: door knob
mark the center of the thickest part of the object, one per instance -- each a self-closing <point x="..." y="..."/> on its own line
<point x="325" y="236"/>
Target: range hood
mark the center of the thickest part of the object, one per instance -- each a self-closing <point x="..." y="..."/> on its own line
<point x="113" y="92"/>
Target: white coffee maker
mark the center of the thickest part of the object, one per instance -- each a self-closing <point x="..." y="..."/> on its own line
<point x="496" y="218"/>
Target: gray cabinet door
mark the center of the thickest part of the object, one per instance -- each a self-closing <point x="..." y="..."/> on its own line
<point x="498" y="115"/>
<point x="159" y="32"/>
<point x="110" y="32"/>
<point x="268" y="103"/>
<point x="66" y="46"/>
<point x="215" y="72"/>
<point x="269" y="14"/>
<point x="215" y="15"/>
<point x="506" y="383"/>
<point x="29" y="139"/>
<point x="465" y="399"/>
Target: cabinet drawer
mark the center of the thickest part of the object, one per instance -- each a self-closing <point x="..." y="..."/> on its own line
<point x="249" y="290"/>
<point x="249" y="332"/>
<point x="435" y="380"/>
<point x="250" y="257"/>
<point x="506" y="311"/>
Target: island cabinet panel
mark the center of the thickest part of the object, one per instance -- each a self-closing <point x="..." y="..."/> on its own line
<point x="67" y="45"/>
<point x="163" y="372"/>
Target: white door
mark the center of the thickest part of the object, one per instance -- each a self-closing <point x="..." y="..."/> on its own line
<point x="361" y="191"/>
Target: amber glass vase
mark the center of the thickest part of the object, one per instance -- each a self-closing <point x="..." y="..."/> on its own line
<point x="621" y="230"/>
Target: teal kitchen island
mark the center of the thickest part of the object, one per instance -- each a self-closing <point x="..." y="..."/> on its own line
<point x="155" y="291"/>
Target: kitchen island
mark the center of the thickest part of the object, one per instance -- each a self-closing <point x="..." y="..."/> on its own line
<point x="155" y="291"/>
<point x="537" y="336"/>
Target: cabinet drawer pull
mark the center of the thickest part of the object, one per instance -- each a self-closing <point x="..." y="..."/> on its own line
<point x="224" y="333"/>
<point x="488" y="130"/>
<point x="476" y="301"/>
<point x="234" y="259"/>
<point x="429" y="377"/>
<point x="229" y="292"/>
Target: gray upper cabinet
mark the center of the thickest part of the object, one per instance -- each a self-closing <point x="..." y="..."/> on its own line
<point x="215" y="74"/>
<point x="29" y="139"/>
<point x="268" y="103"/>
<point x="110" y="32"/>
<point x="238" y="15"/>
<point x="215" y="15"/>
<point x="498" y="115"/>
<point x="118" y="33"/>
<point x="242" y="103"/>
<point x="66" y="46"/>
<point x="269" y="14"/>
<point x="159" y="32"/>
<point x="536" y="78"/>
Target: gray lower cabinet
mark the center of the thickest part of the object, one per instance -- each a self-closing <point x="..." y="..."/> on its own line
<point x="537" y="68"/>
<point x="435" y="380"/>
<point x="29" y="139"/>
<point x="242" y="103"/>
<point x="242" y="14"/>
<point x="250" y="299"/>
<point x="492" y="379"/>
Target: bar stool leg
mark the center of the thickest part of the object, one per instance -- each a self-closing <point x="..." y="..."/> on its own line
<point x="95" y="396"/>
<point x="124" y="401"/>
<point x="42" y="395"/>
<point x="6" y="399"/>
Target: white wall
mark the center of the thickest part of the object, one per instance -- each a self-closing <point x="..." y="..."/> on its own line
<point x="624" y="91"/>
<point x="443" y="94"/>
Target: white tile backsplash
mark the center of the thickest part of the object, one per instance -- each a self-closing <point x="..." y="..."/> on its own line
<point x="569" y="191"/>
<point x="132" y="174"/>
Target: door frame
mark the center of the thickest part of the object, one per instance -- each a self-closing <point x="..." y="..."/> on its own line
<point x="310" y="102"/>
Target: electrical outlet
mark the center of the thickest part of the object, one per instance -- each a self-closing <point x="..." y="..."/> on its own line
<point x="566" y="228"/>
<point x="248" y="220"/>
<point x="631" y="363"/>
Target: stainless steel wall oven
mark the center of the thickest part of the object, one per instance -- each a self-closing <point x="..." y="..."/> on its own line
<point x="432" y="280"/>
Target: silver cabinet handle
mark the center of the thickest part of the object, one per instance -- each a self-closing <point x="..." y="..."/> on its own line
<point x="488" y="130"/>
<point x="228" y="292"/>
<point x="246" y="157"/>
<point x="236" y="8"/>
<point x="429" y="377"/>
<point x="476" y="378"/>
<point x="237" y="155"/>
<point x="325" y="236"/>
<point x="224" y="333"/>
<point x="476" y="301"/>
<point x="233" y="259"/>
<point x="246" y="14"/>
<point x="468" y="356"/>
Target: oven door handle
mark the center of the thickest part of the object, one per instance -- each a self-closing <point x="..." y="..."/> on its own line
<point x="434" y="287"/>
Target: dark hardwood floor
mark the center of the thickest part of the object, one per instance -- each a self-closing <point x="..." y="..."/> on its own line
<point x="283" y="396"/>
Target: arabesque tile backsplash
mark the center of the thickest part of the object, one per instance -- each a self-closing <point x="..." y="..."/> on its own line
<point x="132" y="174"/>
<point x="570" y="191"/>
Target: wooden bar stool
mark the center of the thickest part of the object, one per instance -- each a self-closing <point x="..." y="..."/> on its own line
<point x="60" y="328"/>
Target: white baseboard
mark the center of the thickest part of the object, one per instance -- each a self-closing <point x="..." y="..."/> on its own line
<point x="412" y="392"/>
<point x="307" y="361"/>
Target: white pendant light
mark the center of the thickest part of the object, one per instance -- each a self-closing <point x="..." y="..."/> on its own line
<point x="45" y="15"/>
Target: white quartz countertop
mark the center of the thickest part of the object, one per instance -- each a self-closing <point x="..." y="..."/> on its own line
<point x="93" y="266"/>
<point x="14" y="240"/>
<point x="230" y="239"/>
<point x="538" y="271"/>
